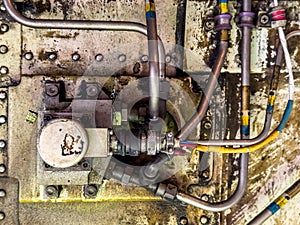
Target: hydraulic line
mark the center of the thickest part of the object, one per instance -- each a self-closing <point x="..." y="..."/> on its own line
<point x="255" y="146"/>
<point x="153" y="59"/>
<point x="209" y="90"/>
<point x="275" y="206"/>
<point x="86" y="25"/>
<point x="242" y="183"/>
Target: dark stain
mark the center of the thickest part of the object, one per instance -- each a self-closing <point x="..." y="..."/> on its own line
<point x="36" y="8"/>
<point x="54" y="34"/>
<point x="65" y="6"/>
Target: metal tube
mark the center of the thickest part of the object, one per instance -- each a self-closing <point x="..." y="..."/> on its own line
<point x="276" y="205"/>
<point x="223" y="205"/>
<point x="153" y="60"/>
<point x="209" y="90"/>
<point x="86" y="25"/>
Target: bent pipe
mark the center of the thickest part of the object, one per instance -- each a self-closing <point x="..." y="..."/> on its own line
<point x="86" y="25"/>
<point x="209" y="90"/>
<point x="223" y="205"/>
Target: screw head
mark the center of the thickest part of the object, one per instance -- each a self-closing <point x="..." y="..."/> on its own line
<point x="4" y="27"/>
<point x="91" y="190"/>
<point x="52" y="191"/>
<point x="205" y="197"/>
<point x="4" y="70"/>
<point x="28" y="56"/>
<point x="209" y="24"/>
<point x="207" y="125"/>
<point x="264" y="19"/>
<point x="3" y="49"/>
<point x="52" y="56"/>
<point x="205" y="174"/>
<point x="2" y="216"/>
<point x="2" y="168"/>
<point x="2" y="193"/>
<point x="122" y="58"/>
<point x="75" y="57"/>
<point x="52" y="90"/>
<point x="99" y="57"/>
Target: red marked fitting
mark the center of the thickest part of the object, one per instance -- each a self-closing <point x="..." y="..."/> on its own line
<point x="278" y="17"/>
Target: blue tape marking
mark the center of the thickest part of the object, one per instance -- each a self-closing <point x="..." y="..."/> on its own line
<point x="223" y="1"/>
<point x="270" y="108"/>
<point x="286" y="115"/>
<point x="273" y="207"/>
<point x="245" y="130"/>
<point x="150" y="14"/>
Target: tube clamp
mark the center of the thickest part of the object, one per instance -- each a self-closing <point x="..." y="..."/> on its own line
<point x="222" y="22"/>
<point x="246" y="19"/>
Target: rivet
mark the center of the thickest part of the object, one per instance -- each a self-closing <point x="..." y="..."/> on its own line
<point x="4" y="27"/>
<point x="168" y="58"/>
<point x="144" y="58"/>
<point x="2" y="216"/>
<point x="207" y="125"/>
<point x="3" y="95"/>
<point x="2" y="119"/>
<point x="52" y="56"/>
<point x="4" y="70"/>
<point x="99" y="57"/>
<point x="205" y="174"/>
<point x="28" y="56"/>
<point x="2" y="193"/>
<point x="75" y="57"/>
<point x="3" y="49"/>
<point x="2" y="144"/>
<point x="122" y="58"/>
<point x="2" y="168"/>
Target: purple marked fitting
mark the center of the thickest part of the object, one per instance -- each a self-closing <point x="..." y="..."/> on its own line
<point x="222" y="22"/>
<point x="246" y="19"/>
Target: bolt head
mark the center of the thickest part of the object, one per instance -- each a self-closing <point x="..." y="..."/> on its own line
<point x="52" y="90"/>
<point x="4" y="27"/>
<point x="92" y="91"/>
<point x="91" y="190"/>
<point x="3" y="49"/>
<point x="168" y="58"/>
<point x="183" y="220"/>
<point x="52" y="191"/>
<point x="4" y="70"/>
<point x="204" y="220"/>
<point x="264" y="19"/>
<point x="2" y="119"/>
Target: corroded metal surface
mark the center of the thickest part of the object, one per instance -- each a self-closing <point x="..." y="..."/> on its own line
<point x="272" y="169"/>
